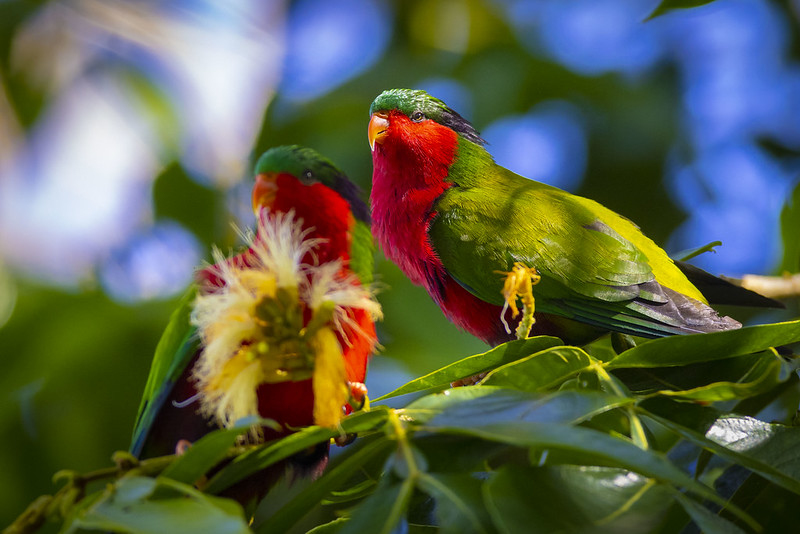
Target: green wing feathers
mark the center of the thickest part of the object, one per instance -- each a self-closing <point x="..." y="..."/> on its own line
<point x="596" y="266"/>
<point x="173" y="353"/>
<point x="362" y="252"/>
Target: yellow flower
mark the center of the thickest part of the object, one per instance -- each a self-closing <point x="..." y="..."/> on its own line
<point x="330" y="382"/>
<point x="273" y="320"/>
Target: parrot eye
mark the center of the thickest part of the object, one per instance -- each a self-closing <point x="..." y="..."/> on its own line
<point x="418" y="116"/>
<point x="308" y="177"/>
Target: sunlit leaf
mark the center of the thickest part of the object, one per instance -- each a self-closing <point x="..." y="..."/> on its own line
<point x="773" y="451"/>
<point x="542" y="370"/>
<point x="144" y="505"/>
<point x="684" y="350"/>
<point x="479" y="363"/>
<point x="776" y="445"/>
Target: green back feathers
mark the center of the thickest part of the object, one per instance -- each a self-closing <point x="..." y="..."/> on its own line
<point x="582" y="244"/>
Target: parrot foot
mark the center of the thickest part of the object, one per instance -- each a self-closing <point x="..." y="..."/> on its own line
<point x="468" y="381"/>
<point x="358" y="395"/>
<point x="182" y="446"/>
<point x="344" y="439"/>
<point x="519" y="283"/>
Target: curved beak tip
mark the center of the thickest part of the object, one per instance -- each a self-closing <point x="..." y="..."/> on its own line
<point x="264" y="191"/>
<point x="378" y="124"/>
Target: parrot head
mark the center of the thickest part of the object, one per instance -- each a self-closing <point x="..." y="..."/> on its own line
<point x="412" y="117"/>
<point x="292" y="176"/>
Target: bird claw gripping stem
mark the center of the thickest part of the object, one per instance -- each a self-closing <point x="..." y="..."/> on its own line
<point x="519" y="283"/>
<point x="358" y="395"/>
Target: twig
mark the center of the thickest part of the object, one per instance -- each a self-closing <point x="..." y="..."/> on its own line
<point x="776" y="287"/>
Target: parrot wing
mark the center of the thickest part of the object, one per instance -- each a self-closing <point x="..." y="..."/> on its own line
<point x="596" y="266"/>
<point x="722" y="292"/>
<point x="174" y="351"/>
<point x="362" y="252"/>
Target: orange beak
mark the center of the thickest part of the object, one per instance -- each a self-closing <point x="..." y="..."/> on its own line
<point x="378" y="124"/>
<point x="264" y="190"/>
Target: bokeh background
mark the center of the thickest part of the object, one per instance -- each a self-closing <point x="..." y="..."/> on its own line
<point x="128" y="131"/>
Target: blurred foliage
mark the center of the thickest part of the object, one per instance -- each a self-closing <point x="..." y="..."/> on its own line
<point x="75" y="362"/>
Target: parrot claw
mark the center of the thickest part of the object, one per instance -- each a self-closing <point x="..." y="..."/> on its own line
<point x="358" y="395"/>
<point x="468" y="381"/>
<point x="344" y="439"/>
<point x="519" y="283"/>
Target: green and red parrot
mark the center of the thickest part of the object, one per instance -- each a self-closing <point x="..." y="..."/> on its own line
<point x="284" y="329"/>
<point x="459" y="224"/>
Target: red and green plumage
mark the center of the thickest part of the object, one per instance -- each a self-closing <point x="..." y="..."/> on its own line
<point x="289" y="179"/>
<point x="452" y="219"/>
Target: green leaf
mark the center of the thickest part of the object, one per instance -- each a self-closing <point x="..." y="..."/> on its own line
<point x="766" y="371"/>
<point x="790" y="232"/>
<point x="473" y="365"/>
<point x="144" y="505"/>
<point x="273" y="452"/>
<point x="356" y="492"/>
<point x="382" y="510"/>
<point x="422" y="409"/>
<point x="329" y="528"/>
<point x="204" y="454"/>
<point x="669" y="5"/>
<point x="459" y="503"/>
<point x="261" y="458"/>
<point x="694" y="348"/>
<point x="540" y="371"/>
<point x="591" y="444"/>
<point x="502" y="405"/>
<point x="333" y="479"/>
<point x="775" y="508"/>
<point x="775" y="445"/>
<point x="773" y="451"/>
<point x="575" y="499"/>
<point x="738" y="370"/>
<point x="686" y="255"/>
<point x="705" y="519"/>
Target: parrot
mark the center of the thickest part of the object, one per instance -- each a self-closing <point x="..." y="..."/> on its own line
<point x="289" y="180"/>
<point x="474" y="235"/>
